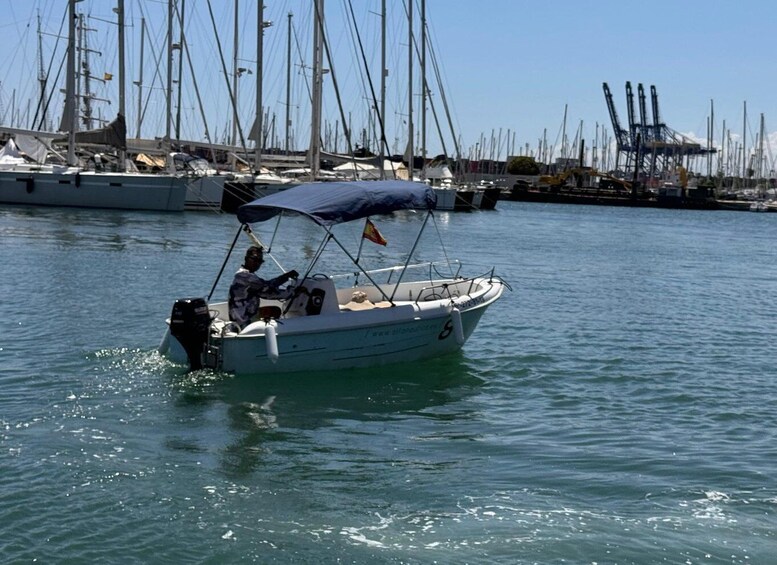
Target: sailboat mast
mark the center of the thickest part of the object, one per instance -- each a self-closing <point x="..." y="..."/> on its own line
<point x="761" y="147"/>
<point x="710" y="137"/>
<point x="234" y="76"/>
<point x="423" y="89"/>
<point x="410" y="133"/>
<point x="564" y="137"/>
<point x="140" y="77"/>
<point x="181" y="43"/>
<point x="288" y="82"/>
<point x="70" y="114"/>
<point x="744" y="144"/>
<point x="122" y="109"/>
<point x="722" y="165"/>
<point x="315" y="122"/>
<point x="259" y="73"/>
<point x="41" y="79"/>
<point x="83" y="74"/>
<point x="169" y="89"/>
<point x="383" y="87"/>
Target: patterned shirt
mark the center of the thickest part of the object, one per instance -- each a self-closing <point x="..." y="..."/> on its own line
<point x="246" y="291"/>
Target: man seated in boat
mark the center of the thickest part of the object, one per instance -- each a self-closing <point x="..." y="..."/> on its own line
<point x="248" y="288"/>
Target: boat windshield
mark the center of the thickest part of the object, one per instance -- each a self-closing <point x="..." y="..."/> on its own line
<point x="187" y="163"/>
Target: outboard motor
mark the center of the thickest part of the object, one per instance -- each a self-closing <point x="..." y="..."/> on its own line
<point x="189" y="323"/>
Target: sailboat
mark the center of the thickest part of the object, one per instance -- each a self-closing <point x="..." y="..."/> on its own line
<point x="25" y="181"/>
<point x="451" y="195"/>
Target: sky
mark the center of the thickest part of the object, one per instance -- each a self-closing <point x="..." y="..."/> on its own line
<point x="507" y="66"/>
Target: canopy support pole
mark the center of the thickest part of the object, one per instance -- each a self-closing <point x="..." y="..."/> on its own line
<point x="361" y="269"/>
<point x="224" y="264"/>
<point x="410" y="256"/>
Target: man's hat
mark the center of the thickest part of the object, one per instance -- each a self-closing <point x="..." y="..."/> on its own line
<point x="257" y="252"/>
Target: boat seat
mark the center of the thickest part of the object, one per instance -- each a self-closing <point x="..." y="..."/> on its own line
<point x="268" y="313"/>
<point x="364" y="305"/>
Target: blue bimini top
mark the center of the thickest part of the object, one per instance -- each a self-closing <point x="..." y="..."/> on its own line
<point x="330" y="203"/>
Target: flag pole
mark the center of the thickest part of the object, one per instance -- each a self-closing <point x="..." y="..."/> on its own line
<point x="361" y="240"/>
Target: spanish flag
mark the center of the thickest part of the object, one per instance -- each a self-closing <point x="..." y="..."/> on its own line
<point x="372" y="233"/>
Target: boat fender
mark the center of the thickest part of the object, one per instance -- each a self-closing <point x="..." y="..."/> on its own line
<point x="78" y="180"/>
<point x="30" y="185"/>
<point x="271" y="342"/>
<point x="458" y="328"/>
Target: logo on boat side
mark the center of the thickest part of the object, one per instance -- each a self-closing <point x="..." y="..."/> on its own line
<point x="472" y="302"/>
<point x="446" y="330"/>
<point x="402" y="331"/>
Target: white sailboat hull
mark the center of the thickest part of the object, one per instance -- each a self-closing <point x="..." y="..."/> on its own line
<point x="86" y="189"/>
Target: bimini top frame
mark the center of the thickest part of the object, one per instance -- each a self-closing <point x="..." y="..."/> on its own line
<point x="331" y="203"/>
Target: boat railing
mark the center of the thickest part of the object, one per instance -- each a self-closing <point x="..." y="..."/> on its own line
<point x="432" y="269"/>
<point x="443" y="290"/>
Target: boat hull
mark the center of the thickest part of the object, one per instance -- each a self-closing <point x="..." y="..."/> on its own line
<point x="93" y="190"/>
<point x="371" y="345"/>
<point x="204" y="193"/>
<point x="340" y="340"/>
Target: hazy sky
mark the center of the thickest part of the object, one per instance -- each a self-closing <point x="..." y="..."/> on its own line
<point x="506" y="64"/>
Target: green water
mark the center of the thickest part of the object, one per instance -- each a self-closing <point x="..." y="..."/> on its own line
<point x="617" y="407"/>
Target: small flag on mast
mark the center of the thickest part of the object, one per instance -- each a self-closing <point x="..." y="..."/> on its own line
<point x="372" y="233"/>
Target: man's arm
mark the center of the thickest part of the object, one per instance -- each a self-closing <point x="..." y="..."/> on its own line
<point x="270" y="289"/>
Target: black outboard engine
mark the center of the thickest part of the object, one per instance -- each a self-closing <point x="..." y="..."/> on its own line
<point x="189" y="324"/>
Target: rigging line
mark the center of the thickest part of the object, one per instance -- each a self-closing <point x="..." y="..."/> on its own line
<point x="42" y="107"/>
<point x="353" y="32"/>
<point x="346" y="129"/>
<point x="427" y="92"/>
<point x="438" y="77"/>
<point x="20" y="42"/>
<point x="355" y="68"/>
<point x="302" y="63"/>
<point x="56" y="80"/>
<point x="156" y="71"/>
<point x="197" y="94"/>
<point x="226" y="78"/>
<point x="372" y="87"/>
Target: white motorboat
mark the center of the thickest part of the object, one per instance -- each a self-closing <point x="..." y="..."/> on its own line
<point x="357" y="319"/>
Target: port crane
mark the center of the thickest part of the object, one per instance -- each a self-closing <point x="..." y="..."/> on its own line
<point x="658" y="144"/>
<point x="622" y="139"/>
<point x="644" y="125"/>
